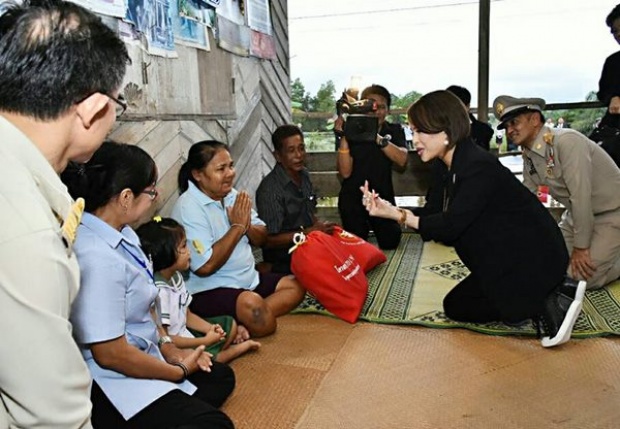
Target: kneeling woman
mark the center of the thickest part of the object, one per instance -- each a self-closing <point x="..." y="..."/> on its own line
<point x="502" y="233"/>
<point x="136" y="384"/>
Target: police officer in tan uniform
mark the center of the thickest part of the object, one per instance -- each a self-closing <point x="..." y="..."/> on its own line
<point x="580" y="175"/>
<point x="57" y="108"/>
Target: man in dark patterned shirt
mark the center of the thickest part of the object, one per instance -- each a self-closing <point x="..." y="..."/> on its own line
<point x="285" y="199"/>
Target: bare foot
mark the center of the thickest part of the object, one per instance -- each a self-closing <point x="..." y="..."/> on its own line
<point x="236" y="350"/>
<point x="242" y="335"/>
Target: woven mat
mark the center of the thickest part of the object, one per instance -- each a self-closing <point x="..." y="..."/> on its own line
<point x="410" y="286"/>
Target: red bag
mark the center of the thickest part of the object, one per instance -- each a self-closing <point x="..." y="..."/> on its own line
<point x="368" y="255"/>
<point x="332" y="275"/>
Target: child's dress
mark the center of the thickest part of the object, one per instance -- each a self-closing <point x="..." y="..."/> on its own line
<point x="173" y="302"/>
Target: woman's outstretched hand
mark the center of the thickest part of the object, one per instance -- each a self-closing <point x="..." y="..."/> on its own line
<point x="375" y="205"/>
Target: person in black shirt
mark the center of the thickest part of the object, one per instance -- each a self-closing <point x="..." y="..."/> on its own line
<point x="286" y="201"/>
<point x="609" y="84"/>
<point x="361" y="161"/>
<point x="481" y="133"/>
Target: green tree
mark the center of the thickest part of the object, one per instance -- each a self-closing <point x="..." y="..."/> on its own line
<point x="404" y="101"/>
<point x="325" y="100"/>
<point x="300" y="98"/>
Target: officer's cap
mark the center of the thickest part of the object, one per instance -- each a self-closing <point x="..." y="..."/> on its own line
<point x="506" y="108"/>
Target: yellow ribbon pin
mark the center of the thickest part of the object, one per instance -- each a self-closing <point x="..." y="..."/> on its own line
<point x="200" y="248"/>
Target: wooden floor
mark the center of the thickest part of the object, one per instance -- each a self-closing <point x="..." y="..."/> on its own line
<point x="317" y="372"/>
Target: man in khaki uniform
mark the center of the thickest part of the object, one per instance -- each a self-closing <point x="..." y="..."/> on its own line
<point x="581" y="176"/>
<point x="60" y="73"/>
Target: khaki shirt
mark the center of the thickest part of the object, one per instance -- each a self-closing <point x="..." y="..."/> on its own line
<point x="44" y="381"/>
<point x="579" y="174"/>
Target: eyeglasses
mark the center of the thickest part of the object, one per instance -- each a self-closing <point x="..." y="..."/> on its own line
<point x="121" y="105"/>
<point x="152" y="193"/>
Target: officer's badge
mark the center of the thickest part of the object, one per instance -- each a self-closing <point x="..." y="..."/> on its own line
<point x="500" y="108"/>
<point x="70" y="224"/>
<point x="198" y="246"/>
<point x="548" y="138"/>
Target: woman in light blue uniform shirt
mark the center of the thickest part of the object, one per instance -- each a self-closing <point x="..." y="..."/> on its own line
<point x="140" y="379"/>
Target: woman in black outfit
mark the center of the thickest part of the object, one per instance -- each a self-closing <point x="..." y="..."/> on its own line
<point x="479" y="207"/>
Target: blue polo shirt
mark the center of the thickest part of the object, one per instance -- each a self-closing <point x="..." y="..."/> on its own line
<point x="206" y="221"/>
<point x="116" y="294"/>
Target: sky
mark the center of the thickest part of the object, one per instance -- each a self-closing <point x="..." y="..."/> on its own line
<point x="554" y="49"/>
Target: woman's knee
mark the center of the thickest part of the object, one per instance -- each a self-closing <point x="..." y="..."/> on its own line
<point x="254" y="313"/>
<point x="291" y="284"/>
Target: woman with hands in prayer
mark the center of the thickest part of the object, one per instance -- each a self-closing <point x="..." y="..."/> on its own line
<point x="221" y="228"/>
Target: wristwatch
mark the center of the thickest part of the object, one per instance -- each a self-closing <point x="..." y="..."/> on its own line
<point x="384" y="140"/>
<point x="164" y="340"/>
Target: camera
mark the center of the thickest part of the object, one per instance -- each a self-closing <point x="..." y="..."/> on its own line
<point x="361" y="124"/>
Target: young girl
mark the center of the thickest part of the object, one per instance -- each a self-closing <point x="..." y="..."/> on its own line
<point x="164" y="240"/>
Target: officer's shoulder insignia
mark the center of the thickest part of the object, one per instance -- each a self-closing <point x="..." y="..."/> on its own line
<point x="72" y="221"/>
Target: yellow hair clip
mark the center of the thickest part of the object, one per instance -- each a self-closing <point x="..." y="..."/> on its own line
<point x="157" y="219"/>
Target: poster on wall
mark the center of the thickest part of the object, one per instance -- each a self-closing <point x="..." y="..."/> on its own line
<point x="193" y="10"/>
<point x="107" y="7"/>
<point x="258" y="16"/>
<point x="263" y="46"/>
<point x="233" y="37"/>
<point x="188" y="32"/>
<point x="152" y="19"/>
<point x="232" y="10"/>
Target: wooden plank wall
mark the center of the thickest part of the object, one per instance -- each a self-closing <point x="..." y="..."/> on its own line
<point x="208" y="95"/>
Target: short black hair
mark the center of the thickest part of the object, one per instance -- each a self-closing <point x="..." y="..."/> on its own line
<point x="613" y="15"/>
<point x="378" y="90"/>
<point x="440" y="111"/>
<point x="54" y="54"/>
<point x="461" y="92"/>
<point x="160" y="238"/>
<point x="113" y="167"/>
<point x="283" y="132"/>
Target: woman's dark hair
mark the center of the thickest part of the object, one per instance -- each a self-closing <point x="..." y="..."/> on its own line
<point x="613" y="15"/>
<point x="160" y="238"/>
<point x="378" y="90"/>
<point x="113" y="167"/>
<point x="440" y="111"/>
<point x="283" y="132"/>
<point x="200" y="154"/>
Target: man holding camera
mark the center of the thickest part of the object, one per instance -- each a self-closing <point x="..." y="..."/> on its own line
<point x="362" y="159"/>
